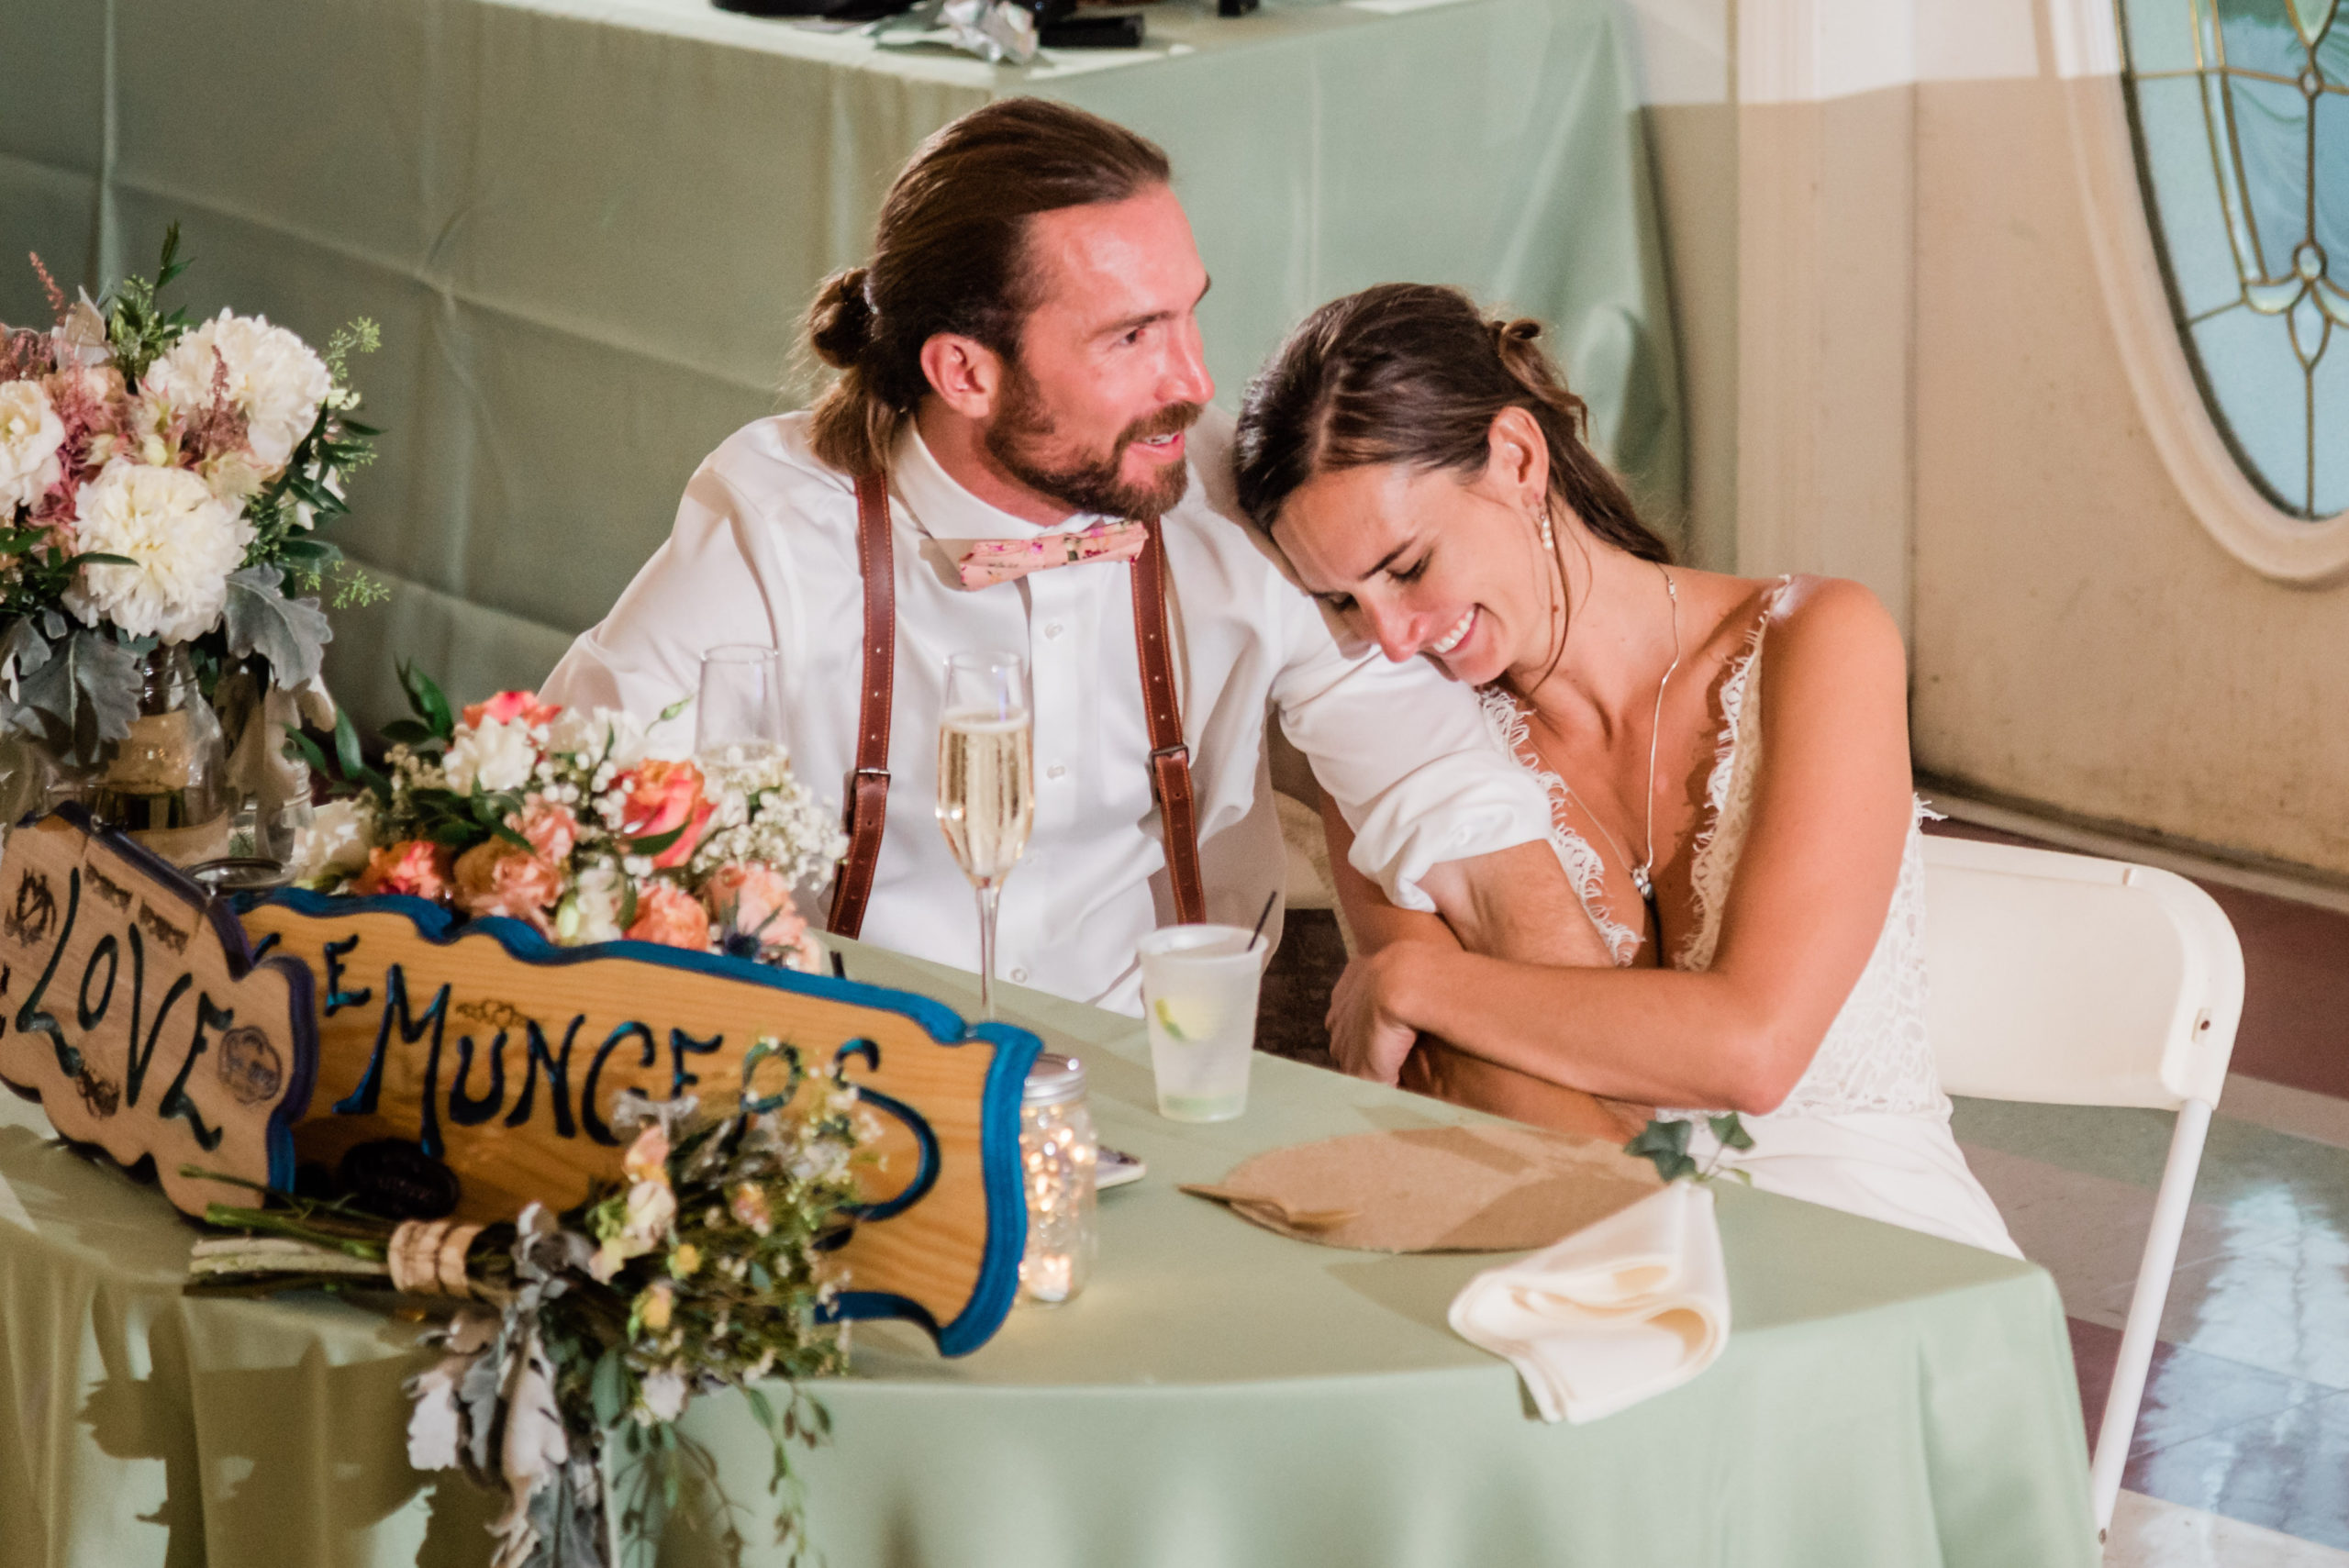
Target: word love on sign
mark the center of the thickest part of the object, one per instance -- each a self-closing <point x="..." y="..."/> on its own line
<point x="504" y="1056"/>
<point x="132" y="1009"/>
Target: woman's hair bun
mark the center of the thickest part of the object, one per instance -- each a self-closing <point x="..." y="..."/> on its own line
<point x="840" y="324"/>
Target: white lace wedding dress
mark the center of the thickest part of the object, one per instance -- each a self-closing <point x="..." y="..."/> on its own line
<point x="1866" y="1129"/>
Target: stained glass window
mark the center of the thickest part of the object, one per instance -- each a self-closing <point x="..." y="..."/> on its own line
<point x="2240" y="109"/>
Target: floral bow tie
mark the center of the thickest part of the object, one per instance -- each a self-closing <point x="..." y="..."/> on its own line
<point x="983" y="562"/>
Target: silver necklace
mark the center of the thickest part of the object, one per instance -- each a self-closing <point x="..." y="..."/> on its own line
<point x="1642" y="875"/>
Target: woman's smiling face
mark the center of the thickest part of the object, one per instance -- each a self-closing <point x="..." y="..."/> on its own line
<point x="1421" y="561"/>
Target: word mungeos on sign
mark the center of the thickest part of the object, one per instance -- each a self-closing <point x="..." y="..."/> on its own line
<point x="504" y="1057"/>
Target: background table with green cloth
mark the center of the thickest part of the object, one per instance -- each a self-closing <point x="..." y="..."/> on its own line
<point x="1219" y="1395"/>
<point x="588" y="227"/>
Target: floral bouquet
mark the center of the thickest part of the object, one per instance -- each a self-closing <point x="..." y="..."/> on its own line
<point x="708" y="1268"/>
<point x="160" y="483"/>
<point x="564" y="821"/>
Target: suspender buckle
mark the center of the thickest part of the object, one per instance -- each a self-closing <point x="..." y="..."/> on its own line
<point x="1178" y="753"/>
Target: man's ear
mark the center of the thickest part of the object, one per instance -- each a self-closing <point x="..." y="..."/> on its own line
<point x="966" y="374"/>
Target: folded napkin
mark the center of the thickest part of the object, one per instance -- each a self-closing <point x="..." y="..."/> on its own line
<point x="1628" y="1308"/>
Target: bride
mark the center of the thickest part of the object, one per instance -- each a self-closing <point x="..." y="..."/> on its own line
<point x="1727" y="760"/>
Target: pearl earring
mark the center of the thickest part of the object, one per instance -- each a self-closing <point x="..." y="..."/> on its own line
<point x="1549" y="539"/>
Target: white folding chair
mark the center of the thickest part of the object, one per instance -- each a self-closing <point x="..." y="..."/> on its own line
<point x="2066" y="980"/>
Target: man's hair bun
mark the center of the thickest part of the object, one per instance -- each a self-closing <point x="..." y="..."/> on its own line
<point x="840" y="326"/>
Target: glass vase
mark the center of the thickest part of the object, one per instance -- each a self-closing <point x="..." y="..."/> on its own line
<point x="165" y="784"/>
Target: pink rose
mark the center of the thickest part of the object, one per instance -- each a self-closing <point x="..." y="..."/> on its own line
<point x="667" y="914"/>
<point x="552" y="828"/>
<point x="507" y="707"/>
<point x="497" y="878"/>
<point x="412" y="865"/>
<point x="660" y="797"/>
<point x="752" y="900"/>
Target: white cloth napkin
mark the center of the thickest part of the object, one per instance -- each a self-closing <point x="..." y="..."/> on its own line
<point x="1633" y="1306"/>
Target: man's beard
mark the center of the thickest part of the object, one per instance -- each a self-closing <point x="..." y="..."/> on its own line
<point x="1024" y="429"/>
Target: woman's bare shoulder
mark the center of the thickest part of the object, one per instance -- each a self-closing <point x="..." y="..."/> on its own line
<point x="1834" y="622"/>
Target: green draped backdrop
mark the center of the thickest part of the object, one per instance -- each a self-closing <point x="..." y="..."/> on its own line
<point x="587" y="227"/>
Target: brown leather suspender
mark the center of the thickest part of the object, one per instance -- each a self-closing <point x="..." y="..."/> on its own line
<point x="866" y="797"/>
<point x="1170" y="759"/>
<point x="865" y="808"/>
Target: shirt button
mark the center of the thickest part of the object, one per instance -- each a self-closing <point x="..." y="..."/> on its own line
<point x="1019" y="976"/>
<point x="1052" y="629"/>
<point x="1055" y="771"/>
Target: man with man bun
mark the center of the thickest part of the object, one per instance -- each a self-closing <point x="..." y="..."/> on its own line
<point x="1017" y="454"/>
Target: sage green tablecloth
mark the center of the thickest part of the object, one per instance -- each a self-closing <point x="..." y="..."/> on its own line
<point x="1219" y="1398"/>
<point x="588" y="226"/>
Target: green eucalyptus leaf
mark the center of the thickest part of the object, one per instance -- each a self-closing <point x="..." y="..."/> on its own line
<point x="308" y="751"/>
<point x="409" y="732"/>
<point x="347" y="750"/>
<point x="655" y="843"/>
<point x="424" y="695"/>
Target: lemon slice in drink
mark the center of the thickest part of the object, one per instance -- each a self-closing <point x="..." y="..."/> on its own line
<point x="1188" y="1022"/>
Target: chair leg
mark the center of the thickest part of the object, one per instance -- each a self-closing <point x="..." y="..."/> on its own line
<point x="2153" y="1271"/>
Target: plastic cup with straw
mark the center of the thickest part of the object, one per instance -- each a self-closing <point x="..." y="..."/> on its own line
<point x="1199" y="988"/>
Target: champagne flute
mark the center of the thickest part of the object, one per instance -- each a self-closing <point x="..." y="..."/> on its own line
<point x="741" y="700"/>
<point x="987" y="782"/>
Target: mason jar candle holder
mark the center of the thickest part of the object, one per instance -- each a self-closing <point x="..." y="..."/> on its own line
<point x="1057" y="1155"/>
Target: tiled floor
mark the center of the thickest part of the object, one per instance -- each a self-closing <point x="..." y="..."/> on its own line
<point x="2242" y="1451"/>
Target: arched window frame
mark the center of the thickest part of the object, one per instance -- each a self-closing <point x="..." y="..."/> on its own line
<point x="2232" y="509"/>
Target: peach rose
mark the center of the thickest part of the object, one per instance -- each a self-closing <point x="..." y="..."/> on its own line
<point x="497" y="878"/>
<point x="552" y="828"/>
<point x="752" y="901"/>
<point x="660" y="797"/>
<point x="412" y="865"/>
<point x="667" y="914"/>
<point x="507" y="707"/>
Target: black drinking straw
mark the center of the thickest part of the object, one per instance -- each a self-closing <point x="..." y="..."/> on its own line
<point x="1256" y="934"/>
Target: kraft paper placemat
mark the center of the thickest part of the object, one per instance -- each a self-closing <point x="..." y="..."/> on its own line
<point x="1445" y="1189"/>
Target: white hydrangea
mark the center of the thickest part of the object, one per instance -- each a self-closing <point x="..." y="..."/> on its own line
<point x="333" y="845"/>
<point x="276" y="379"/>
<point x="491" y="755"/>
<point x="182" y="543"/>
<point x="31" y="433"/>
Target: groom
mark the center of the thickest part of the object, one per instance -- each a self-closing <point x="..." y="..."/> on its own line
<point x="1018" y="455"/>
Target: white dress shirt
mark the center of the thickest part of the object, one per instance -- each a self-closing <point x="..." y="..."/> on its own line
<point x="764" y="551"/>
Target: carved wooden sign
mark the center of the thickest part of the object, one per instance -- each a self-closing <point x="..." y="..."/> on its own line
<point x="132" y="1009"/>
<point x="503" y="1055"/>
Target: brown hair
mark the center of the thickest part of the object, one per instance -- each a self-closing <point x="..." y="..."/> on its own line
<point x="950" y="255"/>
<point x="1414" y="373"/>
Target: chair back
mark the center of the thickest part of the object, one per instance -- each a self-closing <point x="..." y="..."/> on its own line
<point x="2070" y="979"/>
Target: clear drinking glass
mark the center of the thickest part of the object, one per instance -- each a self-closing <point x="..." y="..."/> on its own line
<point x="987" y="782"/>
<point x="741" y="700"/>
<point x="1198" y="992"/>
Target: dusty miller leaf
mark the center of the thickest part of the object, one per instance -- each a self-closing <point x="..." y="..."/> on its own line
<point x="26" y="645"/>
<point x="292" y="634"/>
<point x="88" y="689"/>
